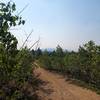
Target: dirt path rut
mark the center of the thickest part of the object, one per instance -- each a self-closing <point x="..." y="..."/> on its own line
<point x="54" y="87"/>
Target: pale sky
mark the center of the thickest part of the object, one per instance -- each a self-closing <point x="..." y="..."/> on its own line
<point x="69" y="23"/>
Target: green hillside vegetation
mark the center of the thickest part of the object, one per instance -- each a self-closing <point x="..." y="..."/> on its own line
<point x="83" y="65"/>
<point x="17" y="80"/>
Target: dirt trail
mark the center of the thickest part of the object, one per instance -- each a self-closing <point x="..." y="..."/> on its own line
<point x="55" y="87"/>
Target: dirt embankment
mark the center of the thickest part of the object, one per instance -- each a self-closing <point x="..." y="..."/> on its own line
<point x="54" y="87"/>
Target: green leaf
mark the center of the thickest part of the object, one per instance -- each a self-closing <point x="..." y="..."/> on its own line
<point x="23" y="22"/>
<point x="13" y="7"/>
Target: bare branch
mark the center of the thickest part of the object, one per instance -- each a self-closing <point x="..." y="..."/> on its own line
<point x="26" y="39"/>
<point x="34" y="43"/>
<point x="23" y="9"/>
<point x="37" y="46"/>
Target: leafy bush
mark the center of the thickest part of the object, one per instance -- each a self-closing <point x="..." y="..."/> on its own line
<point x="17" y="80"/>
<point x="83" y="65"/>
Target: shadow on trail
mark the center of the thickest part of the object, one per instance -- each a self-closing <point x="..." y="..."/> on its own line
<point x="48" y="90"/>
<point x="44" y="88"/>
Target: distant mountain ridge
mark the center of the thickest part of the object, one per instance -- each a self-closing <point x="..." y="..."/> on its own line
<point x="48" y="49"/>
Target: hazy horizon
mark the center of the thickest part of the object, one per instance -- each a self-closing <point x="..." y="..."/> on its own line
<point x="69" y="23"/>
